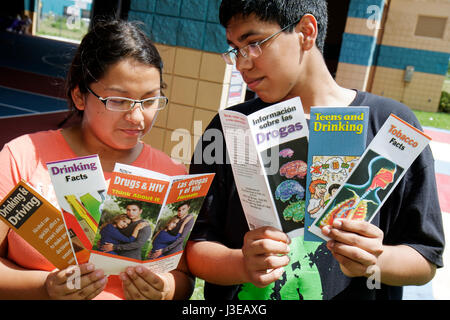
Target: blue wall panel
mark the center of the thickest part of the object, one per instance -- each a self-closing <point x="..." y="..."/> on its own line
<point x="357" y="49"/>
<point x="423" y="60"/>
<point x="359" y="8"/>
<point x="362" y="50"/>
<point x="186" y="23"/>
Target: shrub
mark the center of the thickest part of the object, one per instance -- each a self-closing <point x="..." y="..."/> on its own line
<point x="444" y="104"/>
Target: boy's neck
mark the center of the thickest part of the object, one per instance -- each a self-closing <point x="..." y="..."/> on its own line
<point x="316" y="86"/>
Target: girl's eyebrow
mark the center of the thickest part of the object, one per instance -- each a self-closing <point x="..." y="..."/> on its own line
<point x="122" y="91"/>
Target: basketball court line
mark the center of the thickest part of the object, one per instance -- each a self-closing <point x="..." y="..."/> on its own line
<point x="16" y="103"/>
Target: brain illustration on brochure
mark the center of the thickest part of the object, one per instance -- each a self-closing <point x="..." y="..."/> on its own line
<point x="268" y="154"/>
<point x="337" y="138"/>
<point x="80" y="189"/>
<point x="379" y="170"/>
<point x="39" y="223"/>
<point x="146" y="219"/>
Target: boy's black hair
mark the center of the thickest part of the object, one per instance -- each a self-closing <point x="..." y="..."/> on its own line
<point x="284" y="12"/>
<point x="188" y="203"/>
<point x="135" y="203"/>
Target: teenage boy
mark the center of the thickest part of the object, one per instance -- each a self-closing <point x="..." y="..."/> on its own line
<point x="277" y="47"/>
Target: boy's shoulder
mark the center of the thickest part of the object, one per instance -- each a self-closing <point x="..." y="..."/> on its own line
<point x="381" y="107"/>
<point x="249" y="106"/>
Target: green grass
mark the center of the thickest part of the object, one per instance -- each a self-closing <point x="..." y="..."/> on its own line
<point x="57" y="26"/>
<point x="198" y="290"/>
<point x="439" y="120"/>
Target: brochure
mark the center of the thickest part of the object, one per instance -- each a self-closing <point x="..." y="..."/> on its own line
<point x="268" y="154"/>
<point x="380" y="168"/>
<point x="337" y="138"/>
<point x="80" y="187"/>
<point x="146" y="219"/>
<point x="39" y="223"/>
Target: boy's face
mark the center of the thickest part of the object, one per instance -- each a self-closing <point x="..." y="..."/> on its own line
<point x="133" y="212"/>
<point x="275" y="74"/>
<point x="183" y="210"/>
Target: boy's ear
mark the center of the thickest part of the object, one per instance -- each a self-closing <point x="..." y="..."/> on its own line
<point x="308" y="29"/>
<point x="78" y="98"/>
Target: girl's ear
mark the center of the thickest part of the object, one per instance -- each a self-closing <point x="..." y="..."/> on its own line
<point x="308" y="30"/>
<point x="78" y="98"/>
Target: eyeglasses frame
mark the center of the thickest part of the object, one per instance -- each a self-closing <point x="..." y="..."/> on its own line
<point x="105" y="100"/>
<point x="226" y="55"/>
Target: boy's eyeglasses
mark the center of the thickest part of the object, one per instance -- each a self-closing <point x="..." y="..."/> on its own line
<point x="125" y="104"/>
<point x="251" y="50"/>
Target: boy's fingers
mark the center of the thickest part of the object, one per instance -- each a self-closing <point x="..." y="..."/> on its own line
<point x="267" y="233"/>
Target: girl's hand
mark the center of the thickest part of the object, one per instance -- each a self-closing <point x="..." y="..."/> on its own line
<point x="81" y="282"/>
<point x="139" y="283"/>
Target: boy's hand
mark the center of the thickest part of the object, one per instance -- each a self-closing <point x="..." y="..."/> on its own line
<point x="356" y="245"/>
<point x="265" y="254"/>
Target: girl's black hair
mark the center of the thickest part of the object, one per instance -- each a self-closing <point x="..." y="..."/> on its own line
<point x="108" y="42"/>
<point x="284" y="12"/>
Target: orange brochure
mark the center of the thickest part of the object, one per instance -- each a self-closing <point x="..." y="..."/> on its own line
<point x="147" y="218"/>
<point x="39" y="223"/>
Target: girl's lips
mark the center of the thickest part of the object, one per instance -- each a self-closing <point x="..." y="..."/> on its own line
<point x="132" y="132"/>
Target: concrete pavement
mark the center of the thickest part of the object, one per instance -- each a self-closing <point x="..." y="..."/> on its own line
<point x="439" y="287"/>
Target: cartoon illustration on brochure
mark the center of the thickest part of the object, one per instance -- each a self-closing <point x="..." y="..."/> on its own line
<point x="327" y="175"/>
<point x="364" y="192"/>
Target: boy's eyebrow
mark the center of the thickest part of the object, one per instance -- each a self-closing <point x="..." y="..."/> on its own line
<point x="244" y="36"/>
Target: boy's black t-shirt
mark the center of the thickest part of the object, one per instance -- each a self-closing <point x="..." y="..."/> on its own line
<point x="411" y="216"/>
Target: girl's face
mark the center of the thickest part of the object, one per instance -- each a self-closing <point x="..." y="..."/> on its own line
<point x="115" y="129"/>
<point x="172" y="224"/>
<point x="123" y="223"/>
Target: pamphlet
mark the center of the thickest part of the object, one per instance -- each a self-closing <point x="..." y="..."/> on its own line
<point x="379" y="170"/>
<point x="337" y="138"/>
<point x="80" y="189"/>
<point x="39" y="223"/>
<point x="268" y="154"/>
<point x="146" y="219"/>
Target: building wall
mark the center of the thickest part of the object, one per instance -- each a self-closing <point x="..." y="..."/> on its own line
<point x="359" y="43"/>
<point x="190" y="39"/>
<point x="375" y="59"/>
<point x="403" y="45"/>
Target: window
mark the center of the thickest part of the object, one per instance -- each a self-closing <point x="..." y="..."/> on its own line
<point x="432" y="27"/>
<point x="68" y="19"/>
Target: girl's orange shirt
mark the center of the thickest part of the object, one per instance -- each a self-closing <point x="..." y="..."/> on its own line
<point x="25" y="158"/>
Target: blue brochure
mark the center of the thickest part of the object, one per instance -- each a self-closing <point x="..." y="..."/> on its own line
<point x="337" y="138"/>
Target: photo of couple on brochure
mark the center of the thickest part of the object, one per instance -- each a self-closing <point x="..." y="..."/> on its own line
<point x="142" y="231"/>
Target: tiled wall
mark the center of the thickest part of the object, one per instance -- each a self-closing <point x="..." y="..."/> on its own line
<point x="186" y="23"/>
<point x="376" y="59"/>
<point x="401" y="47"/>
<point x="190" y="39"/>
<point x="197" y="87"/>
